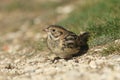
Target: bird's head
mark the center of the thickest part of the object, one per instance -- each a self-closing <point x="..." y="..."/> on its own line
<point x="55" y="31"/>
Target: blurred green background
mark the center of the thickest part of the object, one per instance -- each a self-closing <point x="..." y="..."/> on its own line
<point x="99" y="17"/>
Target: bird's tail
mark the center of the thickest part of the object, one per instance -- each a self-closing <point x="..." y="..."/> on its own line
<point x="84" y="36"/>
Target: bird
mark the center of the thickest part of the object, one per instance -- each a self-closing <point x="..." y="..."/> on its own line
<point x="64" y="43"/>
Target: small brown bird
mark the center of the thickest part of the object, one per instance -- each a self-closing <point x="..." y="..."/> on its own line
<point x="66" y="44"/>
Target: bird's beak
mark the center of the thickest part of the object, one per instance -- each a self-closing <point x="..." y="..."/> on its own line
<point x="46" y="30"/>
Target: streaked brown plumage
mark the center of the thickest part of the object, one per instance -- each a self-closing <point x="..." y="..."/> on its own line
<point x="66" y="44"/>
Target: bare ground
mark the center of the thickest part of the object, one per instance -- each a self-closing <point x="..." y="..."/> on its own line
<point x="23" y="53"/>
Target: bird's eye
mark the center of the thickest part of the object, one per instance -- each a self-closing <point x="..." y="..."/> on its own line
<point x="53" y="30"/>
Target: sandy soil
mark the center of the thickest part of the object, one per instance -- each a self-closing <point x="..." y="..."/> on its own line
<point x="24" y="54"/>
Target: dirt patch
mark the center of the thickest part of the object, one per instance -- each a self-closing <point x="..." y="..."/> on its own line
<point x="24" y="54"/>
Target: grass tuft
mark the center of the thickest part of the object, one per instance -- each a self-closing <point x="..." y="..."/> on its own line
<point x="112" y="48"/>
